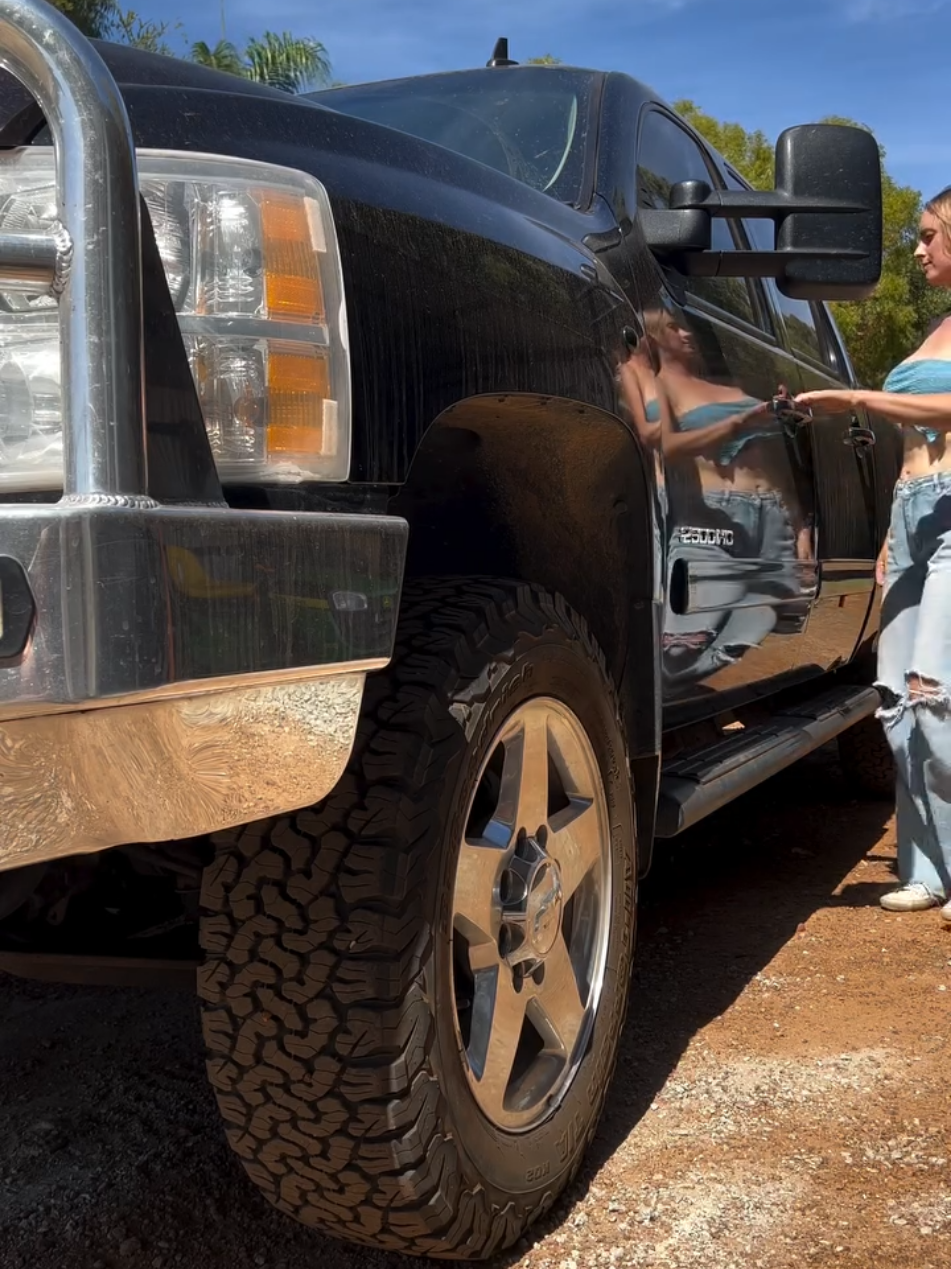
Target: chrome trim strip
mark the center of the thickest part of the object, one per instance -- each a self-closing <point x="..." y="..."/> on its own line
<point x="194" y="688"/>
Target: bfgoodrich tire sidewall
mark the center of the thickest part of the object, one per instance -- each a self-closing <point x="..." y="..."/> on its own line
<point x="542" y="1159"/>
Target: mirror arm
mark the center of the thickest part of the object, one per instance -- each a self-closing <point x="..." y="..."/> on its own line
<point x="757" y="264"/>
<point x="765" y="204"/>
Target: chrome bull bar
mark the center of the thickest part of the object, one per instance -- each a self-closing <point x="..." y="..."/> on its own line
<point x="165" y="670"/>
<point x="93" y="263"/>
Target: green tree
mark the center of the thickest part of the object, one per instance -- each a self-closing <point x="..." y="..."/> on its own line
<point x="93" y="17"/>
<point x="223" y="57"/>
<point x="882" y="330"/>
<point x="128" y="28"/>
<point x="293" y="63"/>
<point x="749" y="152"/>
<point x="545" y="60"/>
<point x="285" y="61"/>
<point x="107" y="20"/>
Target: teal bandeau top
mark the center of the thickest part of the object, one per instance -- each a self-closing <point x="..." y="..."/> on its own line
<point x="718" y="412"/>
<point x="927" y="375"/>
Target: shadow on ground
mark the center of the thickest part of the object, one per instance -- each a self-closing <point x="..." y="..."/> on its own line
<point x="718" y="905"/>
<point x="113" y="1154"/>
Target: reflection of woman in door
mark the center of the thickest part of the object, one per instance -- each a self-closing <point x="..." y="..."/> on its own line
<point x="728" y="478"/>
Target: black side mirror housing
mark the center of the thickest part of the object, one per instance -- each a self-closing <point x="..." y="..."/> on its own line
<point x="828" y="162"/>
<point x="826" y="208"/>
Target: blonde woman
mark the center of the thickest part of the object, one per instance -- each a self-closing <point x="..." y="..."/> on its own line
<point x="914" y="657"/>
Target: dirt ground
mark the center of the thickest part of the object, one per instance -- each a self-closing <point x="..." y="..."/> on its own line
<point x="783" y="1096"/>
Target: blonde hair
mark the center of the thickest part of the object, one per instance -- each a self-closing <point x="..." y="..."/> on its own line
<point x="940" y="208"/>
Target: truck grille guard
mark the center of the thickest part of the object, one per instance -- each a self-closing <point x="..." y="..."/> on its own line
<point x="165" y="670"/>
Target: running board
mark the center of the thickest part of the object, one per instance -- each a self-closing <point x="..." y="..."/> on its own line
<point x="694" y="785"/>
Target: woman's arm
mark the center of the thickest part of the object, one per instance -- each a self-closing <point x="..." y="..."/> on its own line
<point x="932" y="409"/>
<point x="909" y="409"/>
<point x="629" y="382"/>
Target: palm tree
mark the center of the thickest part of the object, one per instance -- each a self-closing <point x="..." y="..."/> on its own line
<point x="93" y="17"/>
<point x="224" y="57"/>
<point x="286" y="61"/>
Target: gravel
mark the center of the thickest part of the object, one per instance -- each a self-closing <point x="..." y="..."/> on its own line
<point x="782" y="1096"/>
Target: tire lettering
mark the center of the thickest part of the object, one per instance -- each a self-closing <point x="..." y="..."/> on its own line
<point x="571" y="1138"/>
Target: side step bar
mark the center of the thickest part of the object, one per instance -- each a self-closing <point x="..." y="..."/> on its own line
<point x="694" y="785"/>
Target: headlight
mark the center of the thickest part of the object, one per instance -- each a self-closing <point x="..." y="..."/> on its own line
<point x="253" y="268"/>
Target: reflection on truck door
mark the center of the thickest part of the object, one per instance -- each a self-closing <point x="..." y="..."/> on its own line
<point x="741" y="563"/>
<point x="844" y="469"/>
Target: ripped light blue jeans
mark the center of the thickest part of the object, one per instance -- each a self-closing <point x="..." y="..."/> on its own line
<point x="733" y="613"/>
<point x="914" y="676"/>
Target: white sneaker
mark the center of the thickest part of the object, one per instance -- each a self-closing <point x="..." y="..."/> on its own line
<point x="914" y="897"/>
<point x="946" y="912"/>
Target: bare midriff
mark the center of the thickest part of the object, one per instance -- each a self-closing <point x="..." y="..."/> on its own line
<point x="922" y="458"/>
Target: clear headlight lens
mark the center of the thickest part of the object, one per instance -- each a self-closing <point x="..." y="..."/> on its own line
<point x="253" y="268"/>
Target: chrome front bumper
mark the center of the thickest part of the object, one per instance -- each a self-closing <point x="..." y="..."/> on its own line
<point x="185" y="669"/>
<point x="164" y="670"/>
<point x="171" y="768"/>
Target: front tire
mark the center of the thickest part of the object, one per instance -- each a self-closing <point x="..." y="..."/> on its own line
<point x="413" y="993"/>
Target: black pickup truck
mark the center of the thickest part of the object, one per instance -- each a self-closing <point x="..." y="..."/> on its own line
<point x="405" y="520"/>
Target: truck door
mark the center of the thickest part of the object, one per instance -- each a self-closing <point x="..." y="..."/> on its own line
<point x="739" y="486"/>
<point x="848" y="530"/>
<point x="843" y="463"/>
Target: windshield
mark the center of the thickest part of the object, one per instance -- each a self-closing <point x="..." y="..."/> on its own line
<point x="530" y="123"/>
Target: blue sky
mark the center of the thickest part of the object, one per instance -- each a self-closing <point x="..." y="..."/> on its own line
<point x="759" y="62"/>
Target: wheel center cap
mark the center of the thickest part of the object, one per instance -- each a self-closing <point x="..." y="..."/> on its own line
<point x="544" y="908"/>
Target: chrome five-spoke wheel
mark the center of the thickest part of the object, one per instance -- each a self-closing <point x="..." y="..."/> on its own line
<point x="531" y="914"/>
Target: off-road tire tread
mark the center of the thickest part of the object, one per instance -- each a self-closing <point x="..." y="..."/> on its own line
<point x="318" y="1029"/>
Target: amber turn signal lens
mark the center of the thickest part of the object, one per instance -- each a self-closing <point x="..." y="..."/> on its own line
<point x="298" y="383"/>
<point x="291" y="266"/>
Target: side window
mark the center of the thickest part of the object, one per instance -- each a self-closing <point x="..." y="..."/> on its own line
<point x="667" y="154"/>
<point x="801" y="330"/>
<point x="807" y="337"/>
<point x="835" y="356"/>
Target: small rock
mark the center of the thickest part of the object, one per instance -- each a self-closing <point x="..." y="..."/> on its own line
<point x="129" y="1247"/>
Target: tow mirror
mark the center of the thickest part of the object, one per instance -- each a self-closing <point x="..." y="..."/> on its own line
<point x="826" y="209"/>
<point x="830" y="163"/>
